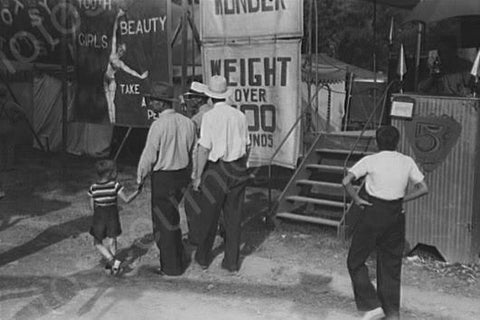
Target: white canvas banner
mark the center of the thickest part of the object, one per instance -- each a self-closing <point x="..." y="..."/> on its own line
<point x="233" y="19"/>
<point x="265" y="77"/>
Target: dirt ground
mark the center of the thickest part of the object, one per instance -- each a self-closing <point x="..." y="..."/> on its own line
<point x="50" y="270"/>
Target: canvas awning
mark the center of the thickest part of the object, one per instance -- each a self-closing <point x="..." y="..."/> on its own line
<point x="326" y="69"/>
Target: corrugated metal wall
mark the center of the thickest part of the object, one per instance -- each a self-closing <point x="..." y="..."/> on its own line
<point x="444" y="217"/>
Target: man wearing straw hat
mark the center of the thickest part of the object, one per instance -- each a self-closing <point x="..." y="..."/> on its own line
<point x="221" y="174"/>
<point x="167" y="156"/>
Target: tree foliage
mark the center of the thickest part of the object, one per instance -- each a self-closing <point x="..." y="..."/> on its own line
<point x="345" y="30"/>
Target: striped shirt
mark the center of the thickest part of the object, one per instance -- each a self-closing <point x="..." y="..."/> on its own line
<point x="105" y="193"/>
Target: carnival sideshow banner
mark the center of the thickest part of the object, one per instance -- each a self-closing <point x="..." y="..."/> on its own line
<point x="235" y="19"/>
<point x="120" y="52"/>
<point x="265" y="79"/>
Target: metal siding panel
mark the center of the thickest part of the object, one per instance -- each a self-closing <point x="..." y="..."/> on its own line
<point x="441" y="218"/>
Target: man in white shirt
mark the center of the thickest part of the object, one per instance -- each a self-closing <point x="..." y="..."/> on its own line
<point x="222" y="154"/>
<point x="382" y="225"/>
<point x="167" y="156"/>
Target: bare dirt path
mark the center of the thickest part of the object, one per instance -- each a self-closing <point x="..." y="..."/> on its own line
<point x="50" y="270"/>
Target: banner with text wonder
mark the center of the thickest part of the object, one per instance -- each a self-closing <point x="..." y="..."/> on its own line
<point x="265" y="79"/>
<point x="233" y="19"/>
<point x="121" y="50"/>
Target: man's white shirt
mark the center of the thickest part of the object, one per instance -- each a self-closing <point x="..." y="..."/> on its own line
<point x="224" y="131"/>
<point x="387" y="174"/>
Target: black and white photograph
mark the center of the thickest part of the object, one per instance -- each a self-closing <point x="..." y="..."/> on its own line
<point x="240" y="159"/>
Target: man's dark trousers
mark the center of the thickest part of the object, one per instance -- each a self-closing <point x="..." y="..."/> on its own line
<point x="381" y="228"/>
<point x="223" y="187"/>
<point x="167" y="191"/>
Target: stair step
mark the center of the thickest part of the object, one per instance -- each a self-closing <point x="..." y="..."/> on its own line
<point x="343" y="152"/>
<point x="319" y="183"/>
<point x="337" y="204"/>
<point x="322" y="184"/>
<point x="300" y="217"/>
<point x="324" y="167"/>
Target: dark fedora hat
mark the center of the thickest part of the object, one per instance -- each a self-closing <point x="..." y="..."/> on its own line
<point x="162" y="91"/>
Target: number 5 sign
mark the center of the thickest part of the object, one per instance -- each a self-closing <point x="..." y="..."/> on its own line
<point x="432" y="138"/>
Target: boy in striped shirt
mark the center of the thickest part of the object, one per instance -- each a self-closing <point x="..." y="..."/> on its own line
<point x="106" y="223"/>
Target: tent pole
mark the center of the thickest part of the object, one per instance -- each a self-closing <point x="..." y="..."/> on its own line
<point x="190" y="18"/>
<point x="64" y="84"/>
<point x="375" y="54"/>
<point x="317" y="118"/>
<point x="122" y="144"/>
<point x="184" y="44"/>
<point x="308" y="79"/>
<point x="417" y="54"/>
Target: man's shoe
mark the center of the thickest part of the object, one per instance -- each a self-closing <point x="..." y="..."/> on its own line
<point x="374" y="314"/>
<point x="161" y="273"/>
<point x="203" y="266"/>
<point x="229" y="269"/>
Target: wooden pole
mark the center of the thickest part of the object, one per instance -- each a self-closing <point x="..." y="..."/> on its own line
<point x="417" y="55"/>
<point x="120" y="148"/>
<point x="64" y="82"/>
<point x="374" y="54"/>
<point x="184" y="44"/>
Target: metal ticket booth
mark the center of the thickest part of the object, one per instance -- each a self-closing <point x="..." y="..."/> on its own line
<point x="443" y="137"/>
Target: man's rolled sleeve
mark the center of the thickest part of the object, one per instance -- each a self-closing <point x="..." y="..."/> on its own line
<point x="360" y="168"/>
<point x="415" y="175"/>
<point x="205" y="134"/>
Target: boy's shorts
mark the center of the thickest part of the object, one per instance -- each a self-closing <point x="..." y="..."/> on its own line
<point x="105" y="223"/>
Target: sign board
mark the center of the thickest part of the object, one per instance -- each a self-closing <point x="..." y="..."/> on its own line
<point x="265" y="77"/>
<point x="402" y="107"/>
<point x="119" y="54"/>
<point x="234" y="19"/>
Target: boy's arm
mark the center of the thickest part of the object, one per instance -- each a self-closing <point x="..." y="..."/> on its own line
<point x="347" y="184"/>
<point x="419" y="189"/>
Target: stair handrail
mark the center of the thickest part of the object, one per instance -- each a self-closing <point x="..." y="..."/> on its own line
<point x="382" y="101"/>
<point x="277" y="150"/>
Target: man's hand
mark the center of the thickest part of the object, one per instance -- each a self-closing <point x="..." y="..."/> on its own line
<point x="362" y="203"/>
<point x="196" y="184"/>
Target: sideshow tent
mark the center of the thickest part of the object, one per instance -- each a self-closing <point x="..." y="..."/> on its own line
<point x="327" y="78"/>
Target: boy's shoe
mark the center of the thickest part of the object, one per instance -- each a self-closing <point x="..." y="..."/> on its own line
<point x="2" y="194"/>
<point x="116" y="267"/>
<point x="374" y="314"/>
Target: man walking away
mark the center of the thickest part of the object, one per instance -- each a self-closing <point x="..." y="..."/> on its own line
<point x="167" y="153"/>
<point x="222" y="154"/>
<point x="382" y="225"/>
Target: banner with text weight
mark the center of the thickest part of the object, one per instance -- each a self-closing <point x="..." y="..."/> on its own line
<point x="233" y="19"/>
<point x="265" y="77"/>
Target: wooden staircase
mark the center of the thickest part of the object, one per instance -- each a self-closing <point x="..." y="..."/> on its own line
<point x="315" y="193"/>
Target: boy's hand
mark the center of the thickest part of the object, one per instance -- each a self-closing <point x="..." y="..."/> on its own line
<point x="196" y="184"/>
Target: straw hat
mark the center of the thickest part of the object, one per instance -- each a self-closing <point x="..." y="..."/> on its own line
<point x="217" y="88"/>
<point x="197" y="89"/>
